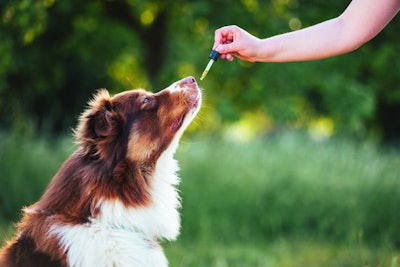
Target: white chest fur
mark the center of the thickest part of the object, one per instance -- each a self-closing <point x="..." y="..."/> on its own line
<point x="122" y="236"/>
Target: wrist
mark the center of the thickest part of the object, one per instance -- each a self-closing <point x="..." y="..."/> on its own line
<point x="266" y="50"/>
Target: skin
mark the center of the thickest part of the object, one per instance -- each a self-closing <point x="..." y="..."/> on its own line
<point x="361" y="21"/>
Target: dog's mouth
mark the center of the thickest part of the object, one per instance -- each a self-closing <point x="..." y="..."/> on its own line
<point x="192" y="103"/>
<point x="177" y="123"/>
<point x="190" y="97"/>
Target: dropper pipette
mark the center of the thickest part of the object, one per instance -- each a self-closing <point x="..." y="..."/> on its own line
<point x="214" y="55"/>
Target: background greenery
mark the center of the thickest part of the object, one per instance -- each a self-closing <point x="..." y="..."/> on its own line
<point x="55" y="54"/>
<point x="290" y="164"/>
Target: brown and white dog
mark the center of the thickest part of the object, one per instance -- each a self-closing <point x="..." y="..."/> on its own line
<point x="115" y="196"/>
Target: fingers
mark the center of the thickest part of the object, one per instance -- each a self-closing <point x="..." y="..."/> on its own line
<point x="224" y="35"/>
<point x="218" y="39"/>
<point x="224" y="41"/>
<point x="227" y="56"/>
<point x="227" y="48"/>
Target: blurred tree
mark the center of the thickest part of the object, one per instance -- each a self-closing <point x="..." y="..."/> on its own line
<point x="56" y="53"/>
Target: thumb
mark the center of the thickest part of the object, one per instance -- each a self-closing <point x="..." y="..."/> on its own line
<point x="227" y="48"/>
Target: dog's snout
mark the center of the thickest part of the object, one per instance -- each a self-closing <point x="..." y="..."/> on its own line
<point x="188" y="80"/>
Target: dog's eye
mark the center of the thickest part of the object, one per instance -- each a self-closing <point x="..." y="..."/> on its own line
<point x="146" y="100"/>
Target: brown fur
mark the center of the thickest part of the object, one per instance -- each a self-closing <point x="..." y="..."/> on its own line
<point x="120" y="139"/>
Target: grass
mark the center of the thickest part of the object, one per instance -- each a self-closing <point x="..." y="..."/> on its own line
<point x="289" y="185"/>
<point x="288" y="252"/>
<point x="275" y="201"/>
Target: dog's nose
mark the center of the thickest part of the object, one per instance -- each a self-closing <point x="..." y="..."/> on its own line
<point x="188" y="80"/>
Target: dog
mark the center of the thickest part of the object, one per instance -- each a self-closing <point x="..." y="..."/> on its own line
<point x="116" y="195"/>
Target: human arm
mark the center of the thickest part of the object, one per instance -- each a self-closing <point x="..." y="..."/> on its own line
<point x="360" y="22"/>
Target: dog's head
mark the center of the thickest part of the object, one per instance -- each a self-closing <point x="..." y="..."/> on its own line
<point x="136" y="124"/>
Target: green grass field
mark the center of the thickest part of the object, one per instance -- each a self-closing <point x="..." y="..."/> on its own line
<point x="275" y="201"/>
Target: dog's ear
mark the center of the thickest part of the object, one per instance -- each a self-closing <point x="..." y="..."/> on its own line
<point x="102" y="123"/>
<point x="97" y="120"/>
<point x="100" y="119"/>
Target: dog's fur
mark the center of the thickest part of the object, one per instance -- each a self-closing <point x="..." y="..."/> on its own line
<point x="116" y="195"/>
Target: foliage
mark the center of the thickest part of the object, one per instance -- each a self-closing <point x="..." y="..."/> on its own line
<point x="56" y="53"/>
<point x="332" y="203"/>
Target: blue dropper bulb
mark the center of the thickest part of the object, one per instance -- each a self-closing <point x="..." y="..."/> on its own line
<point x="214" y="55"/>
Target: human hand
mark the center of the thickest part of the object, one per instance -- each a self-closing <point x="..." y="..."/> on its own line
<point x="232" y="41"/>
